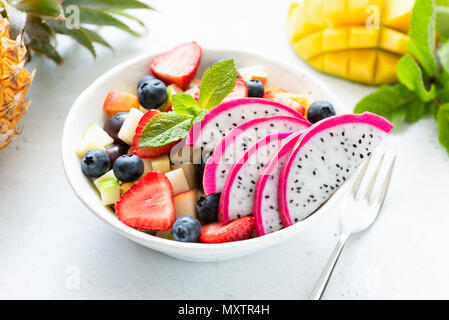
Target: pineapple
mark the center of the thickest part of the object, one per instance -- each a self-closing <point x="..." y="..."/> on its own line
<point x="360" y="40"/>
<point x="14" y="83"/>
<point x="30" y="27"/>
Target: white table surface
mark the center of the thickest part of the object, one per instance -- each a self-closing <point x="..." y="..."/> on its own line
<point x="51" y="246"/>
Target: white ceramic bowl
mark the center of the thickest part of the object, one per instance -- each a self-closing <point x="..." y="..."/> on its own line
<point x="88" y="108"/>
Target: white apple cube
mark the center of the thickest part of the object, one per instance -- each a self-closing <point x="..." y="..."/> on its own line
<point x="185" y="204"/>
<point x="191" y="172"/>
<point x="108" y="175"/>
<point x="253" y="73"/>
<point x="84" y="146"/>
<point x="129" y="126"/>
<point x="161" y="163"/>
<point x="95" y="133"/>
<point x="178" y="181"/>
<point x="109" y="191"/>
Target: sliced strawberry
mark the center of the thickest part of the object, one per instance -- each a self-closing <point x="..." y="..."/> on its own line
<point x="148" y="204"/>
<point x="234" y="230"/>
<point x="178" y="65"/>
<point x="240" y="91"/>
<point x="148" y="152"/>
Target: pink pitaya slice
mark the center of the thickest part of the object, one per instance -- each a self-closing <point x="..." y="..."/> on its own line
<point x="324" y="158"/>
<point x="266" y="210"/>
<point x="208" y="133"/>
<point x="237" y="197"/>
<point x="238" y="141"/>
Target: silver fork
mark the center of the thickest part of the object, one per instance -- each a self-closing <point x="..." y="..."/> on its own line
<point x="358" y="213"/>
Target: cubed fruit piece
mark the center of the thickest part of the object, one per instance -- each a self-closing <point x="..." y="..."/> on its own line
<point x="109" y="191"/>
<point x="195" y="83"/>
<point x="161" y="163"/>
<point x="147" y="166"/>
<point x="283" y="98"/>
<point x="106" y="176"/>
<point x="235" y="230"/>
<point x="397" y="14"/>
<point x="394" y="41"/>
<point x="148" y="204"/>
<point x="298" y="98"/>
<point x="125" y="186"/>
<point x="363" y="37"/>
<point x="336" y="63"/>
<point x="335" y="39"/>
<point x="128" y="129"/>
<point x="185" y="154"/>
<point x="309" y="46"/>
<point x="178" y="181"/>
<point x="95" y="133"/>
<point x="240" y="91"/>
<point x="386" y="67"/>
<point x="178" y="65"/>
<point x="171" y="90"/>
<point x="253" y="73"/>
<point x="148" y="152"/>
<point x="192" y="173"/>
<point x="185" y="203"/>
<point x="363" y="11"/>
<point x="85" y="145"/>
<point x="119" y="101"/>
<point x="165" y="234"/>
<point x="361" y="65"/>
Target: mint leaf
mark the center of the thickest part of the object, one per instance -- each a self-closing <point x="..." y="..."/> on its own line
<point x="442" y="22"/>
<point x="396" y="103"/>
<point x="443" y="55"/>
<point x="422" y="35"/>
<point x="200" y="116"/>
<point x="218" y="81"/>
<point x="443" y="125"/>
<point x="165" y="128"/>
<point x="410" y="75"/>
<point x="185" y="104"/>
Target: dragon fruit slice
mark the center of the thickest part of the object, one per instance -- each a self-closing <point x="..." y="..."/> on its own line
<point x="208" y="133"/>
<point x="266" y="210"/>
<point x="324" y="158"/>
<point x="238" y="141"/>
<point x="237" y="197"/>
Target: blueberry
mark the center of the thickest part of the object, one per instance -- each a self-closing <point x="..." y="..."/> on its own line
<point x="95" y="163"/>
<point x="255" y="88"/>
<point x="186" y="229"/>
<point x="207" y="207"/>
<point x="152" y="93"/>
<point x="144" y="79"/>
<point x="128" y="167"/>
<point x="320" y="110"/>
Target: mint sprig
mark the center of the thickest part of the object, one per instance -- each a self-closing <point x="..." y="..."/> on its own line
<point x="164" y="128"/>
<point x="423" y="74"/>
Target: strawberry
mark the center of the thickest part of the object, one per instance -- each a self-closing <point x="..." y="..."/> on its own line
<point x="148" y="204"/>
<point x="178" y="65"/>
<point x="148" y="152"/>
<point x="240" y="91"/>
<point x="234" y="230"/>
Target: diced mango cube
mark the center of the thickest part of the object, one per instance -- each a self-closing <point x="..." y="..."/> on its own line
<point x="309" y="46"/>
<point x="397" y="14"/>
<point x="394" y="41"/>
<point x="361" y="65"/>
<point x="363" y="37"/>
<point x="335" y="39"/>
<point x="386" y="67"/>
<point x="336" y="63"/>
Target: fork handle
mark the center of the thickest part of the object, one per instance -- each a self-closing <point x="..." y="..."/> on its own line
<point x="321" y="284"/>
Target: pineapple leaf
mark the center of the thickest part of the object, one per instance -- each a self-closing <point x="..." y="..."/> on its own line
<point x="46" y="49"/>
<point x="45" y="8"/>
<point x="109" y="4"/>
<point x="128" y="16"/>
<point x="78" y="35"/>
<point x="96" y="37"/>
<point x="101" y="18"/>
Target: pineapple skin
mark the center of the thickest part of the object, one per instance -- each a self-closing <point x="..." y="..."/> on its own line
<point x="14" y="83"/>
<point x="359" y="40"/>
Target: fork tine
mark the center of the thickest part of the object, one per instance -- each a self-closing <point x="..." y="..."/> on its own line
<point x="373" y="179"/>
<point x="358" y="180"/>
<point x="386" y="184"/>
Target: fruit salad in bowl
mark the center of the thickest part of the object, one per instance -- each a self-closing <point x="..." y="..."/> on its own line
<point x="211" y="154"/>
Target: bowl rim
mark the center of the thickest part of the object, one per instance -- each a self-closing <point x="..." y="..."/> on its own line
<point x="142" y="237"/>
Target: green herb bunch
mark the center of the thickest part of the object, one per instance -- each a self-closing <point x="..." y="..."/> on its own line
<point x="423" y="73"/>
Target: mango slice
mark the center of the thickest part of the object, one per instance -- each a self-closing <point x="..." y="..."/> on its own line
<point x="360" y="40"/>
